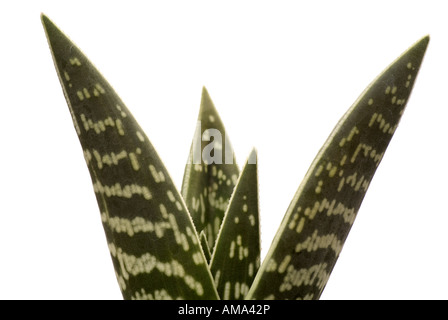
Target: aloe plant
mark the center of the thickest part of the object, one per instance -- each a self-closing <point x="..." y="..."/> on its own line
<point x="204" y="242"/>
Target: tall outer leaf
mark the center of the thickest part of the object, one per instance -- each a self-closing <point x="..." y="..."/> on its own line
<point x="211" y="172"/>
<point x="236" y="257"/>
<point x="319" y="218"/>
<point x="153" y="244"/>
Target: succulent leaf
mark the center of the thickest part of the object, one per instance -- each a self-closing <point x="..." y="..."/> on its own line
<point x="152" y="240"/>
<point x="211" y="172"/>
<point x="319" y="218"/>
<point x="236" y="258"/>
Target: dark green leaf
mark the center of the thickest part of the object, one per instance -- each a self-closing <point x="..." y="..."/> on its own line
<point x="211" y="172"/>
<point x="153" y="244"/>
<point x="319" y="218"/>
<point x="236" y="258"/>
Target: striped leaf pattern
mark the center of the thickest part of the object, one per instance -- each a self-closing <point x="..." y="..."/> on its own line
<point x="317" y="222"/>
<point x="153" y="243"/>
<point x="236" y="257"/>
<point x="211" y="172"/>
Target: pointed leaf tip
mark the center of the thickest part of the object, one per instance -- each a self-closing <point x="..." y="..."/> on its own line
<point x="253" y="157"/>
<point x="207" y="108"/>
<point x="426" y="39"/>
<point x="152" y="241"/>
<point x="48" y="24"/>
<point x="211" y="172"/>
<point x="238" y="243"/>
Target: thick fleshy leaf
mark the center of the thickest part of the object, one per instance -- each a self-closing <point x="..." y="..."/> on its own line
<point x="319" y="218"/>
<point x="236" y="258"/>
<point x="153" y="243"/>
<point x="211" y="172"/>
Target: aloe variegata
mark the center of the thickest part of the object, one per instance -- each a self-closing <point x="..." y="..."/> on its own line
<point x="204" y="242"/>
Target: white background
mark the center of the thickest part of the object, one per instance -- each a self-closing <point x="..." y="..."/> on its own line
<point x="281" y="74"/>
